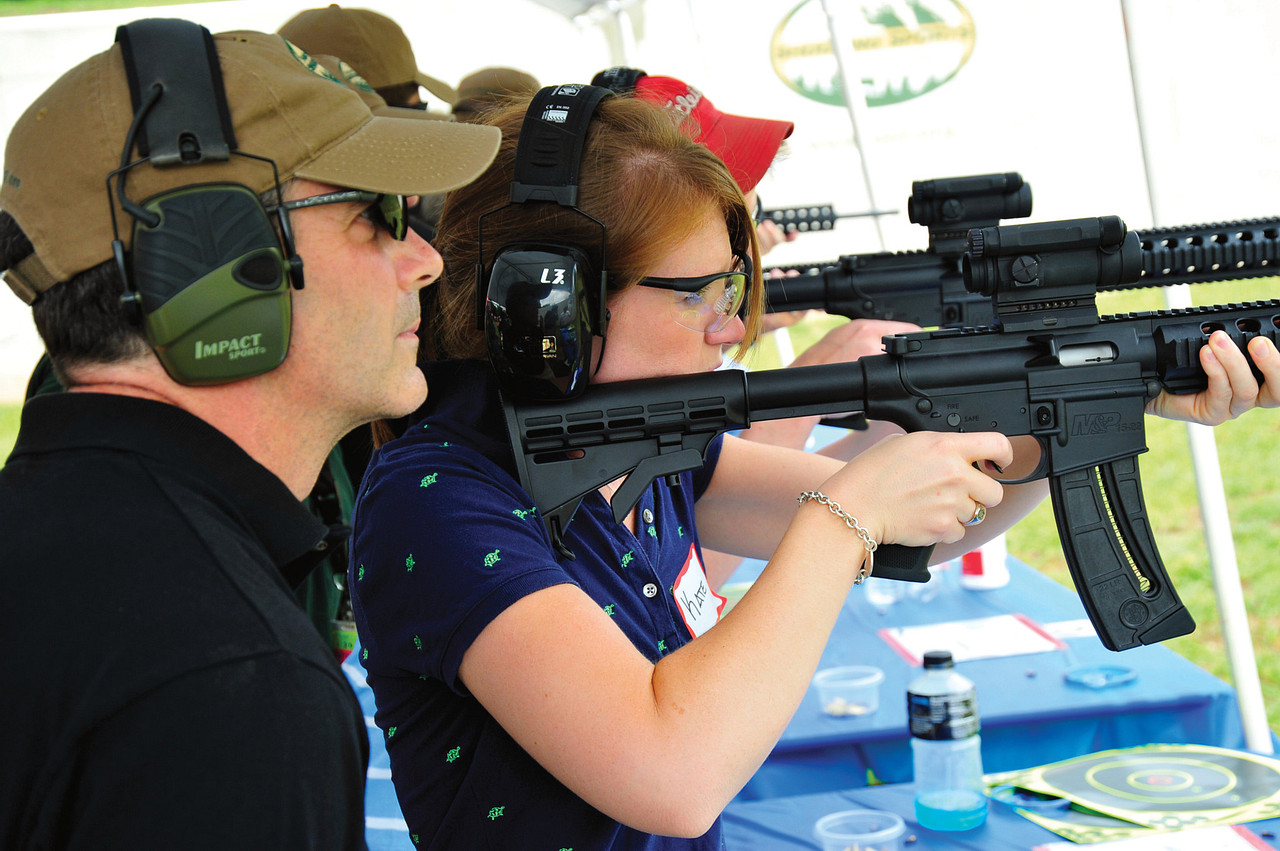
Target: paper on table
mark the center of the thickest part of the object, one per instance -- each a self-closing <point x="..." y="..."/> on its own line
<point x="981" y="638"/>
<point x="1220" y="838"/>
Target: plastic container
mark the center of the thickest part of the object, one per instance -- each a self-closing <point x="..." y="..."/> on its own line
<point x="860" y="830"/>
<point x="849" y="691"/>
<point x="986" y="567"/>
<point x="942" y="710"/>
<point x="883" y="593"/>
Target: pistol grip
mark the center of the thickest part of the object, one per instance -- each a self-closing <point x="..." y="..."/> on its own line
<point x="1106" y="537"/>
<point x="908" y="564"/>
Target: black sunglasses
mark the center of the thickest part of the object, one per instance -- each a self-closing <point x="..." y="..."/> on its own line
<point x="389" y="212"/>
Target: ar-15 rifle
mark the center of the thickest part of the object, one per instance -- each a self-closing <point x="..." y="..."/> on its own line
<point x="1051" y="368"/>
<point x="927" y="288"/>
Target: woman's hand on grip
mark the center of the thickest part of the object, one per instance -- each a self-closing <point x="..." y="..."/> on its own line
<point x="922" y="488"/>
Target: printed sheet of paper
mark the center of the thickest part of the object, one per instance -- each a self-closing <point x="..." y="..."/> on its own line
<point x="980" y="638"/>
<point x="1220" y="838"/>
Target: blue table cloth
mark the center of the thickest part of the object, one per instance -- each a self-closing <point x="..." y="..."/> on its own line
<point x="1030" y="713"/>
<point x="786" y="824"/>
<point x="385" y="828"/>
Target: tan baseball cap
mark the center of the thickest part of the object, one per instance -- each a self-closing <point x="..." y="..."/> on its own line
<point x="481" y="90"/>
<point x="376" y="103"/>
<point x="283" y="105"/>
<point x="371" y="43"/>
<point x="496" y="81"/>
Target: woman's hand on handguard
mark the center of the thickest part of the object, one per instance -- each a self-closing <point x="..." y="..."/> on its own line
<point x="1232" y="388"/>
<point x="922" y="488"/>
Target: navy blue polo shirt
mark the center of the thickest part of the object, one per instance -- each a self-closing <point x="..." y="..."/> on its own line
<point x="445" y="540"/>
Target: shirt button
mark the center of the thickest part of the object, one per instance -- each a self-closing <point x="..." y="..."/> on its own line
<point x="648" y="516"/>
<point x="651" y="590"/>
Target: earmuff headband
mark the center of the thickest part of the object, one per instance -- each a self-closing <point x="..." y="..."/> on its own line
<point x="180" y="129"/>
<point x="549" y="153"/>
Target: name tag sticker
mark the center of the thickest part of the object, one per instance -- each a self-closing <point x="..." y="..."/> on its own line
<point x="699" y="605"/>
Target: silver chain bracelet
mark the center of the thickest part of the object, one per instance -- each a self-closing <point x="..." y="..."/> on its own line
<point x="852" y="523"/>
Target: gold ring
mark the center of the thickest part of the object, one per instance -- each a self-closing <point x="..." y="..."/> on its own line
<point x="979" y="514"/>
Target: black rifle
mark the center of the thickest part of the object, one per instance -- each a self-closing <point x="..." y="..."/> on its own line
<point x="1050" y="368"/>
<point x="927" y="288"/>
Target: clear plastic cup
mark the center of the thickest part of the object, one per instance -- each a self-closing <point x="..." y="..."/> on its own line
<point x="860" y="830"/>
<point x="849" y="691"/>
<point x="883" y="593"/>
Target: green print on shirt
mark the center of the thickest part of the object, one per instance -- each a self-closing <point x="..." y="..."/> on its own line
<point x="492" y="558"/>
<point x="414" y="837"/>
<point x="627" y="557"/>
<point x="608" y="610"/>
<point x="662" y="645"/>
<point x="680" y="530"/>
<point x="453" y="754"/>
<point x="523" y="513"/>
<point x="360" y="573"/>
<point x="364" y="654"/>
<point x="428" y="481"/>
<point x="409" y="562"/>
<point x="653" y="532"/>
<point x="417" y="642"/>
<point x="391" y="731"/>
<point x="496" y="813"/>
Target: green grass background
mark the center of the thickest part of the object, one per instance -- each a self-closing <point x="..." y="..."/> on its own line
<point x="1245" y="448"/>
<point x="38" y="7"/>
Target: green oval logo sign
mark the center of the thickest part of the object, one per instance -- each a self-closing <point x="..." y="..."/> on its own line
<point x="903" y="50"/>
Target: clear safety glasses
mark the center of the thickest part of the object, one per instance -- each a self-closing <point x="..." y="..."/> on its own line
<point x="707" y="303"/>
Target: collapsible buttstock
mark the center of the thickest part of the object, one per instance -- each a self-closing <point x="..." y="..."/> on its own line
<point x="1107" y="540"/>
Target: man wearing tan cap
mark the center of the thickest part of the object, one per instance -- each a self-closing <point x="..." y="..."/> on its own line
<point x="371" y="43"/>
<point x="162" y="685"/>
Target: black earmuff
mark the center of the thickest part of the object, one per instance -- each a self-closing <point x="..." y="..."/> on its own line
<point x="541" y="304"/>
<point x="207" y="273"/>
<point x="620" y="79"/>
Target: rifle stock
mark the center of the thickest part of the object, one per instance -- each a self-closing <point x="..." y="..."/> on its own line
<point x="1079" y="388"/>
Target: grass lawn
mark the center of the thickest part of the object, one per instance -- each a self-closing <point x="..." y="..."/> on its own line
<point x="1244" y="445"/>
<point x="38" y="7"/>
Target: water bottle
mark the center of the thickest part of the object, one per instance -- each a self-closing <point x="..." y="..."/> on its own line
<point x="946" y="749"/>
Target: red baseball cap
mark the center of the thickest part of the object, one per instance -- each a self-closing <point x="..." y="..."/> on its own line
<point x="747" y="145"/>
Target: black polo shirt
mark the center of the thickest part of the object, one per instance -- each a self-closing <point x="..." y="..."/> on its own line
<point x="159" y="684"/>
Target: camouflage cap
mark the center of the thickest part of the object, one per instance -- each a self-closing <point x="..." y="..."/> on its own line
<point x="376" y="103"/>
<point x="283" y="106"/>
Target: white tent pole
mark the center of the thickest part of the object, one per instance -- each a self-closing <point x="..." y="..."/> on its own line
<point x="1213" y="505"/>
<point x="855" y="102"/>
<point x="626" y="32"/>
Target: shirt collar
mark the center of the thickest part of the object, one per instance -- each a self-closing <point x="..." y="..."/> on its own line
<point x="292" y="536"/>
